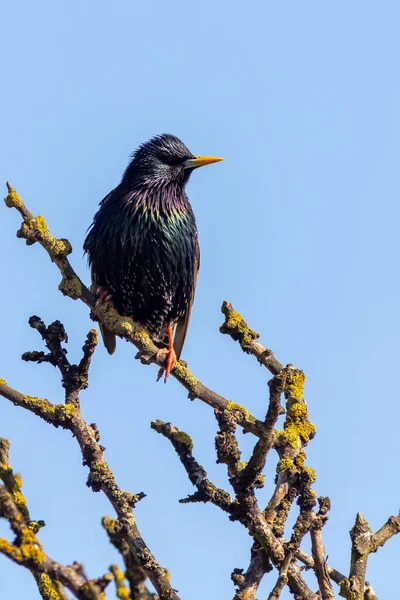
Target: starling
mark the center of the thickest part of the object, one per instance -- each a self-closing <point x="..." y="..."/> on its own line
<point x="143" y="247"/>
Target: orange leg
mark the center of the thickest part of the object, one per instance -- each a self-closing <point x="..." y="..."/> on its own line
<point x="170" y="355"/>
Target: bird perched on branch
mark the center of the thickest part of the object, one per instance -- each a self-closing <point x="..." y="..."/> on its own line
<point x="142" y="245"/>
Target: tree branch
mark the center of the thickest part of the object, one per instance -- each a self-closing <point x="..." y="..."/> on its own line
<point x="294" y="479"/>
<point x="100" y="477"/>
<point x="133" y="571"/>
<point x="27" y="551"/>
<point x="35" y="229"/>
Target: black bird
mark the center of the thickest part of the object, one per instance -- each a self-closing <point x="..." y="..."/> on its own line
<point x="143" y="247"/>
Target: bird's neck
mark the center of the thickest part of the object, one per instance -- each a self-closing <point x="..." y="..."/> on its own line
<point x="157" y="198"/>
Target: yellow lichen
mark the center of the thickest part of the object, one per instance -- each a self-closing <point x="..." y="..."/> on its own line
<point x="71" y="287"/>
<point x="37" y="229"/>
<point x="297" y="427"/>
<point x="246" y="417"/>
<point x="285" y="464"/>
<point x="46" y="587"/>
<point x="4" y="470"/>
<point x="300" y="458"/>
<point x="99" y="466"/>
<point x="40" y="225"/>
<point x="109" y="524"/>
<point x="10" y="550"/>
<point x="19" y="498"/>
<point x="12" y="200"/>
<point x="311" y="475"/>
<point x="3" y="381"/>
<point x="184" y="438"/>
<point x="235" y="321"/>
<point x="241" y="465"/>
<point x="294" y="384"/>
<point x="260" y="480"/>
<point x="30" y="547"/>
<point x="142" y="336"/>
<point x="298" y="411"/>
<point x="64" y="412"/>
<point x="122" y="591"/>
<point x="44" y="408"/>
<point x="237" y="327"/>
<point x="118" y="575"/>
<point x="287" y="436"/>
<point x="126" y="327"/>
<point x="186" y="377"/>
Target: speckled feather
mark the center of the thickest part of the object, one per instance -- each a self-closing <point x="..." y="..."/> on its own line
<point x="143" y="245"/>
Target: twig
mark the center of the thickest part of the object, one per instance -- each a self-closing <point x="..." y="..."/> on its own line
<point x="207" y="491"/>
<point x="133" y="571"/>
<point x="308" y="561"/>
<point x="119" y="579"/>
<point x="318" y="552"/>
<point x="248" y="583"/>
<point x="282" y="579"/>
<point x="237" y="328"/>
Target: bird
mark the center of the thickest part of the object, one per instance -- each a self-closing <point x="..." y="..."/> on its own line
<point x="143" y="248"/>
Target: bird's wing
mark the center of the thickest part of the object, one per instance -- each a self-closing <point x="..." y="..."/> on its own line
<point x="108" y="336"/>
<point x="183" y="323"/>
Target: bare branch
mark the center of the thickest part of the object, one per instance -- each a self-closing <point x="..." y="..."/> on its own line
<point x="388" y="530"/>
<point x="249" y="582"/>
<point x="308" y="561"/>
<point x="318" y="551"/>
<point x="133" y="571"/>
<point x="207" y="491"/>
<point x="237" y="328"/>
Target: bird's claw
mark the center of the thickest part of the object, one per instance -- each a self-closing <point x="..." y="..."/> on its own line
<point x="170" y="355"/>
<point x="103" y="295"/>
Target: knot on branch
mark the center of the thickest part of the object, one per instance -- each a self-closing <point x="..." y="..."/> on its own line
<point x="36" y="230"/>
<point x="71" y="286"/>
<point x="240" y="415"/>
<point x="237" y="577"/>
<point x="361" y="535"/>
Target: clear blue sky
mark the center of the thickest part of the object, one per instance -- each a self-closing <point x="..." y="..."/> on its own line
<point x="298" y="229"/>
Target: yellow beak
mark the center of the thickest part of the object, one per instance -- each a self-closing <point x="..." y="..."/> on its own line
<point x="200" y="161"/>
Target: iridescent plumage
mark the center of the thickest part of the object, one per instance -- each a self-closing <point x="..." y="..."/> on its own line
<point x="143" y="246"/>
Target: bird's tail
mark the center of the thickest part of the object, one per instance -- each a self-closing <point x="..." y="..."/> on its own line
<point x="109" y="339"/>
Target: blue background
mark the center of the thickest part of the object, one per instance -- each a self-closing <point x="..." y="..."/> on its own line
<point x="298" y="229"/>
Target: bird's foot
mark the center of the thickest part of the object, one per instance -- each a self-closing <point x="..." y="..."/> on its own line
<point x="169" y="354"/>
<point x="103" y="295"/>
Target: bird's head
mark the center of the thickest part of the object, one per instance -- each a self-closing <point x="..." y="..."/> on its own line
<point x="164" y="160"/>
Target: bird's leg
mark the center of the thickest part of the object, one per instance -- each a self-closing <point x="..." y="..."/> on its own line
<point x="103" y="294"/>
<point x="170" y="355"/>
